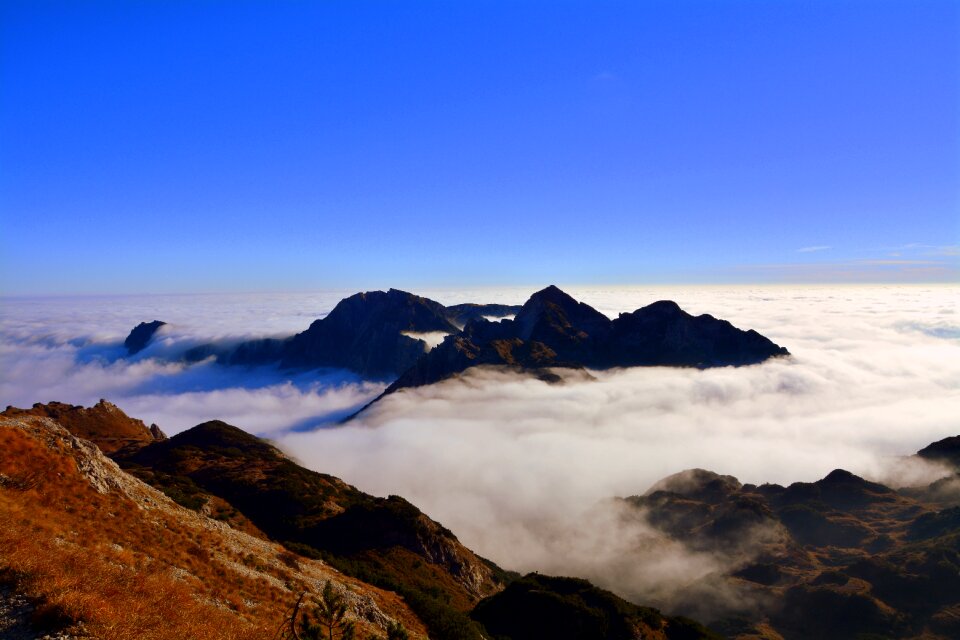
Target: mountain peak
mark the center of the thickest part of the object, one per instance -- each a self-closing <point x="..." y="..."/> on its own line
<point x="663" y="306"/>
<point x="551" y="313"/>
<point x="216" y="433"/>
<point x="554" y="294"/>
<point x="141" y="335"/>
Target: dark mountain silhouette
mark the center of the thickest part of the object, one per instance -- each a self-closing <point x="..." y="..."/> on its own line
<point x="946" y="451"/>
<point x="374" y="334"/>
<point x="364" y="333"/>
<point x="554" y="330"/>
<point x="141" y="335"/>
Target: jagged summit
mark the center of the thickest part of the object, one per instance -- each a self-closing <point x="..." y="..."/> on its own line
<point x="552" y="329"/>
<point x="105" y="424"/>
<point x="552" y="315"/>
<point x="375" y="334"/>
<point x="366" y="333"/>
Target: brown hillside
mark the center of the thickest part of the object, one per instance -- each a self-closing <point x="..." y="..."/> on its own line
<point x="104" y="555"/>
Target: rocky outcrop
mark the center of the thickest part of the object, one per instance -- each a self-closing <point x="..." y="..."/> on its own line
<point x="141" y="335"/>
<point x="372" y="333"/>
<point x="662" y="334"/>
<point x="104" y="424"/>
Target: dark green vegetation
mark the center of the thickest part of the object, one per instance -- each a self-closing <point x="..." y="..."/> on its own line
<point x="538" y="606"/>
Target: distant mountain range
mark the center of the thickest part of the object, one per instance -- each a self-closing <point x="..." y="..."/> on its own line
<point x="375" y="334"/>
<point x="553" y="330"/>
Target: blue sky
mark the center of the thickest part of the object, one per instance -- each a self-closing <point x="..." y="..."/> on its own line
<point x="204" y="146"/>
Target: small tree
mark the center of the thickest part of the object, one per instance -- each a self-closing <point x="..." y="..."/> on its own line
<point x="326" y="620"/>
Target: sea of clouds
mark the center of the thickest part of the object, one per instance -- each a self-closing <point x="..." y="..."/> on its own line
<point x="518" y="468"/>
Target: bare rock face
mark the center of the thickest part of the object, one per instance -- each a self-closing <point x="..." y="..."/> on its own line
<point x="141" y="335"/>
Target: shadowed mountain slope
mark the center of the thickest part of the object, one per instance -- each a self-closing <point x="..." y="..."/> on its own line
<point x="841" y="557"/>
<point x="365" y="333"/>
<point x="292" y="504"/>
<point x="538" y="606"/>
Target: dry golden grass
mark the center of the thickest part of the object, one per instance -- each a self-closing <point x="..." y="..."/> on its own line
<point x="94" y="558"/>
<point x="154" y="573"/>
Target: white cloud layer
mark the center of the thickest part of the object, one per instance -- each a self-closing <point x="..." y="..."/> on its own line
<point x="516" y="467"/>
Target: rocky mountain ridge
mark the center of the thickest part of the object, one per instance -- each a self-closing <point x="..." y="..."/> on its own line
<point x="554" y="330"/>
<point x="104" y="423"/>
<point x="365" y="333"/>
<point x="374" y="334"/>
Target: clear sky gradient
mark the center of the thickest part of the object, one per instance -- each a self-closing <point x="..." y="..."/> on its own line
<point x="203" y="146"/>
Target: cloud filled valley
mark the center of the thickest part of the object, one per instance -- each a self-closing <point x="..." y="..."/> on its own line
<point x="521" y="469"/>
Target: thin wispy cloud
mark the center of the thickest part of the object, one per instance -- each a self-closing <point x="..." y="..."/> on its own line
<point x="814" y="249"/>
